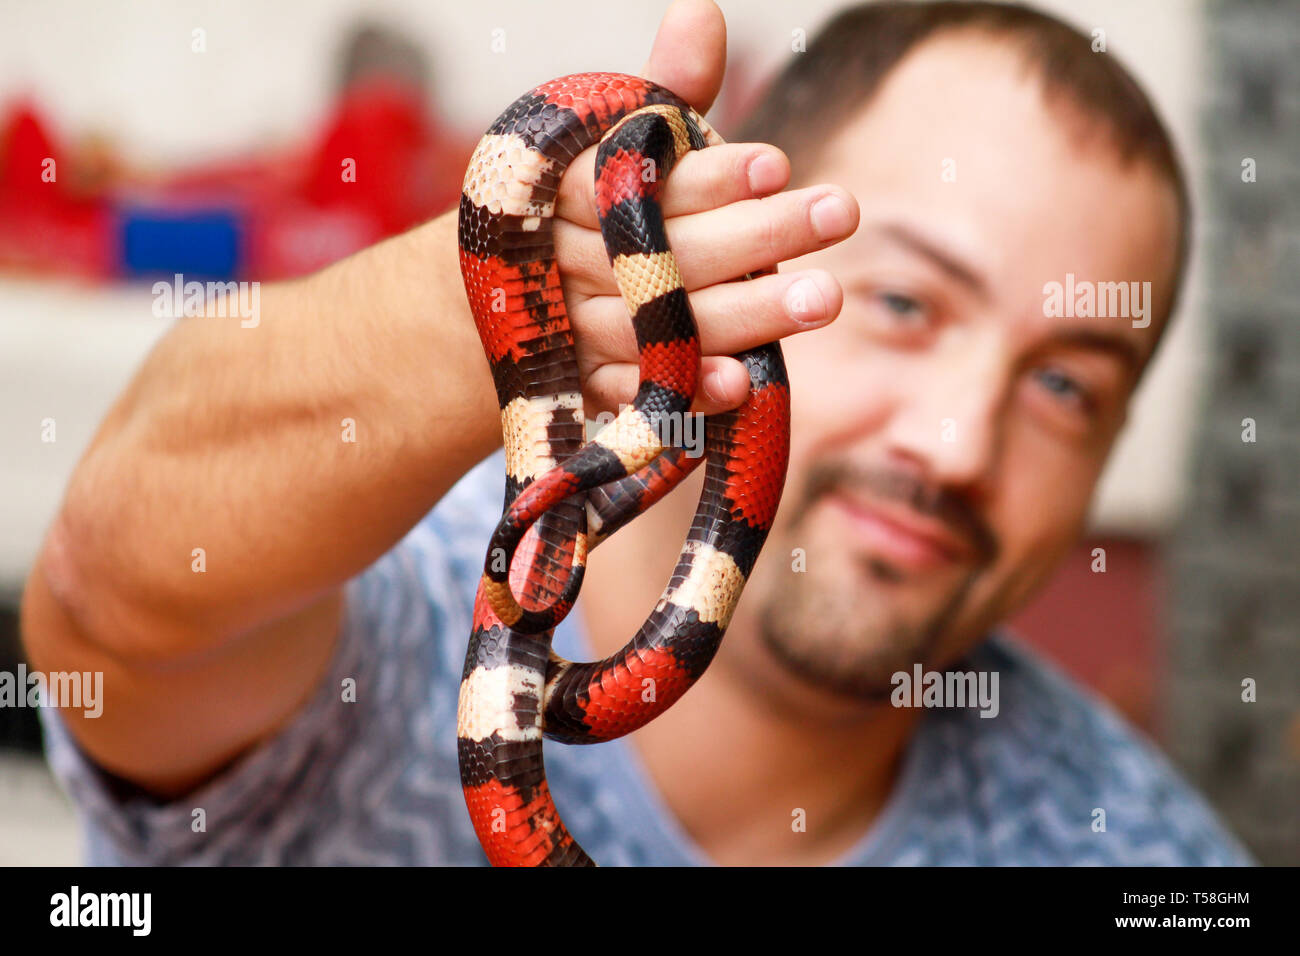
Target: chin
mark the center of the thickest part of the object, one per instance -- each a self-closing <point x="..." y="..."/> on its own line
<point x="848" y="624"/>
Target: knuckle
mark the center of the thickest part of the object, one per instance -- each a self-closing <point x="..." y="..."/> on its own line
<point x="718" y="184"/>
<point x="774" y="225"/>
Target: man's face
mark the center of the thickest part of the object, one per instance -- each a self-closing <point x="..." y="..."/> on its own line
<point x="947" y="434"/>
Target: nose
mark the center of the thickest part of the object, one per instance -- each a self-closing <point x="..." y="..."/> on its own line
<point x="947" y="422"/>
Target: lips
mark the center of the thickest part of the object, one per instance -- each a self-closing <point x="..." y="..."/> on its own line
<point x="901" y="538"/>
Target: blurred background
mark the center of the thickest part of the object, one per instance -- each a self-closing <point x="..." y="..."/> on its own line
<point x="144" y="138"/>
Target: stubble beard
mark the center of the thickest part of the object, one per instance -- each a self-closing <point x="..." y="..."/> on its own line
<point x="846" y="639"/>
<point x="848" y="622"/>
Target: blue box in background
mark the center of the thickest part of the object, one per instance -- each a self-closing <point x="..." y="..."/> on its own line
<point x="204" y="244"/>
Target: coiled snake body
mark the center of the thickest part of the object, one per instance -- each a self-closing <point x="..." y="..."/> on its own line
<point x="564" y="495"/>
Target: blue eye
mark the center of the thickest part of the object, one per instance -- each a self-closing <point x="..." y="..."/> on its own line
<point x="1062" y="386"/>
<point x="902" y="307"/>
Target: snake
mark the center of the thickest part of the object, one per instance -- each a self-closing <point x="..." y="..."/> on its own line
<point x="565" y="494"/>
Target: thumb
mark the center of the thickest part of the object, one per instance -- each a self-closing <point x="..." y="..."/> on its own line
<point x="689" y="54"/>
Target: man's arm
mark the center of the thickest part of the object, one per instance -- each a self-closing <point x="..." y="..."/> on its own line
<point x="230" y="440"/>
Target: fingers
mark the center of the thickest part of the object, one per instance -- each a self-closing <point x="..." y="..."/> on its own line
<point x="722" y="244"/>
<point x="731" y="316"/>
<point x="702" y="180"/>
<point x="689" y="54"/>
<point x="724" y="384"/>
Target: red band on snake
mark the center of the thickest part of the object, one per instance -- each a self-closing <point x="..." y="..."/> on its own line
<point x="564" y="495"/>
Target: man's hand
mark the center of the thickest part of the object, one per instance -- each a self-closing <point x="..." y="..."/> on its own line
<point x="719" y="226"/>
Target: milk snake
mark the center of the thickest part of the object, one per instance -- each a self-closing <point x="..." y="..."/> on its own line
<point x="562" y="494"/>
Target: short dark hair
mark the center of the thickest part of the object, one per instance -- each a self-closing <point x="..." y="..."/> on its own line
<point x="851" y="56"/>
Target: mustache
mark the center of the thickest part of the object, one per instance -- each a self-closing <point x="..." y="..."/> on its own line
<point x="951" y="509"/>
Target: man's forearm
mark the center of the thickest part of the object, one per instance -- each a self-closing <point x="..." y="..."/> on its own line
<point x="247" y="471"/>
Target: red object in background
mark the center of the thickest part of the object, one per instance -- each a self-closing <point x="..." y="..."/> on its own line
<point x="44" y="225"/>
<point x="1105" y="629"/>
<point x="368" y="158"/>
<point x="381" y="165"/>
<point x="27" y="148"/>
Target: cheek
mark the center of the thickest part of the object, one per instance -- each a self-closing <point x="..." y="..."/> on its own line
<point x="1042" y="500"/>
<point x="810" y="363"/>
<point x="836" y="392"/>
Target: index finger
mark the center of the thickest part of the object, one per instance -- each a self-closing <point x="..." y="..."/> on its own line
<point x="703" y="180"/>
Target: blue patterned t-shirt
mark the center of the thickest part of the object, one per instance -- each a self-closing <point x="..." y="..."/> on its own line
<point x="375" y="780"/>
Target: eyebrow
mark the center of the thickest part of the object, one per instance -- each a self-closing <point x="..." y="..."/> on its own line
<point x="934" y="250"/>
<point x="949" y="262"/>
<point x="1101" y="341"/>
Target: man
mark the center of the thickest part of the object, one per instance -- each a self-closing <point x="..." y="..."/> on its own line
<point x="948" y="431"/>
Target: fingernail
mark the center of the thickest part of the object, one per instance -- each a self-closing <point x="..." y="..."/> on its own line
<point x="831" y="218"/>
<point x="765" y="173"/>
<point x="713" y="386"/>
<point x="804" y="303"/>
